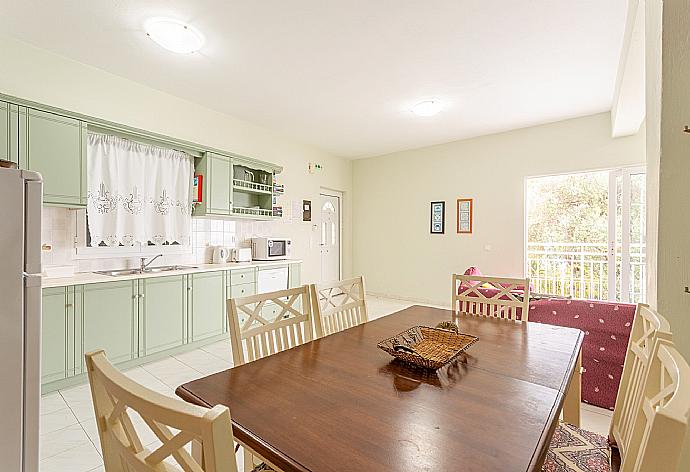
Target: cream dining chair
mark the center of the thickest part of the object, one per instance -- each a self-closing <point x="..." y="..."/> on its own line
<point x="264" y="324"/>
<point x="648" y="326"/>
<point x="338" y="305"/>
<point x="174" y="422"/>
<point x="496" y="297"/>
<point x="575" y="450"/>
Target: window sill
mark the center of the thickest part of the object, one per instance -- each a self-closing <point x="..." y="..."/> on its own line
<point x="86" y="252"/>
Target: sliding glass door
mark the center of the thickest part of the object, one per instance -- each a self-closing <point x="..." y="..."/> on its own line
<point x="586" y="234"/>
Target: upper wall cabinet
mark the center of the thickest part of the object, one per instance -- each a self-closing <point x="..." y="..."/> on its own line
<point x="52" y="142"/>
<point x="5" y="132"/>
<point x="55" y="146"/>
<point x="252" y="187"/>
<point x="9" y="132"/>
<point x="216" y="190"/>
<point x="235" y="187"/>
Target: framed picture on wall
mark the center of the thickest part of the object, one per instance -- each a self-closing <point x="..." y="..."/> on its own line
<point x="465" y="215"/>
<point x="438" y="217"/>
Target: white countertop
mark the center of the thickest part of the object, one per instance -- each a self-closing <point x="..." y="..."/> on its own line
<point x="82" y="278"/>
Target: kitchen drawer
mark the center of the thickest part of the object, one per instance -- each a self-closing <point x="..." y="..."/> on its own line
<point x="270" y="311"/>
<point x="242" y="276"/>
<point x="242" y="290"/>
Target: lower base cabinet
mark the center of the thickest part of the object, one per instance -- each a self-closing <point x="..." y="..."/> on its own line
<point x="162" y="313"/>
<point x="206" y="305"/>
<point x="133" y="319"/>
<point x="109" y="311"/>
<point x="54" y="339"/>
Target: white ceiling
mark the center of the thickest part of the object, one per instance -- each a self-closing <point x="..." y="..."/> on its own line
<point x="342" y="75"/>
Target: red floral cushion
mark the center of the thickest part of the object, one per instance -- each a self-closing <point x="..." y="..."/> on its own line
<point x="575" y="450"/>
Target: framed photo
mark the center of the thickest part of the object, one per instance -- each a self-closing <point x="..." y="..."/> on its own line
<point x="438" y="217"/>
<point x="465" y="216"/>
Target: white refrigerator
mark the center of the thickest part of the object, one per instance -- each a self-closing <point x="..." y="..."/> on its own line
<point x="20" y="318"/>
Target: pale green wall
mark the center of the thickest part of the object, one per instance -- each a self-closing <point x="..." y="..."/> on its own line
<point x="392" y="244"/>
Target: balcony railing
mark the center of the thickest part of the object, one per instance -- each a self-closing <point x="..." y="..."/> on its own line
<point x="581" y="270"/>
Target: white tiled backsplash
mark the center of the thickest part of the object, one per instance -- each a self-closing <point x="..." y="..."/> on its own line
<point x="60" y="227"/>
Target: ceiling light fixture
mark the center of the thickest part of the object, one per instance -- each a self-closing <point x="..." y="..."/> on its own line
<point x="427" y="108"/>
<point x="174" y="35"/>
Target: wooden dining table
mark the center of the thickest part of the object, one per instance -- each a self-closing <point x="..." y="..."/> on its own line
<point x="341" y="404"/>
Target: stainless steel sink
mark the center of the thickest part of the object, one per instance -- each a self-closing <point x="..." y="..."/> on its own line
<point x="150" y="270"/>
<point x="168" y="268"/>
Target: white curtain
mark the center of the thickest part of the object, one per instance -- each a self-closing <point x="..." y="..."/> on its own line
<point x="137" y="193"/>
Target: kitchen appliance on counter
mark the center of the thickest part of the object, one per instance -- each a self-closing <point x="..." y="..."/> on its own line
<point x="221" y="254"/>
<point x="271" y="249"/>
<point x="21" y="193"/>
<point x="241" y="254"/>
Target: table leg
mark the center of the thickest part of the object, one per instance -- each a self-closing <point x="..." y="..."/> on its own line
<point x="573" y="397"/>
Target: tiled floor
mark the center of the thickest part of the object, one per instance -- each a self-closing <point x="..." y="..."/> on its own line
<point x="69" y="439"/>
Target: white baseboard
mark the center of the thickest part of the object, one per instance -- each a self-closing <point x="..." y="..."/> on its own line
<point x="408" y="299"/>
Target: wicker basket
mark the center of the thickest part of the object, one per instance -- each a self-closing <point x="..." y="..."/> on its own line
<point x="431" y="348"/>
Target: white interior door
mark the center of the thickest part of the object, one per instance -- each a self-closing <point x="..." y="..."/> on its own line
<point x="330" y="237"/>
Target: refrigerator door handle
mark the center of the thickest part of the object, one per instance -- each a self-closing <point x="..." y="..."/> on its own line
<point x="33" y="198"/>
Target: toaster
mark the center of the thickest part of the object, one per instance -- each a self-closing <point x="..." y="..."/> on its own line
<point x="241" y="254"/>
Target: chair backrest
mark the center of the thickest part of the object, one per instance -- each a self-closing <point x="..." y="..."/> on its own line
<point x="662" y="415"/>
<point x="497" y="297"/>
<point x="647" y="327"/>
<point x="175" y="423"/>
<point x="338" y="305"/>
<point x="274" y="322"/>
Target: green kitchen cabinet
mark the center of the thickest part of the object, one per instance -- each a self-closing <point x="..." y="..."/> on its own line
<point x="216" y="185"/>
<point x="207" y="305"/>
<point x="54" y="334"/>
<point x="162" y="313"/>
<point x="55" y="146"/>
<point x="5" y="154"/>
<point x="294" y="275"/>
<point x="109" y="314"/>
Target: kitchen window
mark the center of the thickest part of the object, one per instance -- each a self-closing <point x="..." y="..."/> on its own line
<point x="138" y="198"/>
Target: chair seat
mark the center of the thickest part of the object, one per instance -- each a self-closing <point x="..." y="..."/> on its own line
<point x="575" y="450"/>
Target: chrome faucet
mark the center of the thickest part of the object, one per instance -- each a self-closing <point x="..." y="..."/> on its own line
<point x="144" y="265"/>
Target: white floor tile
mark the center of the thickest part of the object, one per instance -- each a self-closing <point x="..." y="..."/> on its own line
<point x="172" y="372"/>
<point x="62" y="440"/>
<point x="203" y="361"/>
<point x="595" y="422"/>
<point x="79" y="459"/>
<point x="78" y="399"/>
<point x="52" y="402"/>
<point x="148" y="380"/>
<point x="91" y="431"/>
<point x="57" y="420"/>
<point x="221" y="349"/>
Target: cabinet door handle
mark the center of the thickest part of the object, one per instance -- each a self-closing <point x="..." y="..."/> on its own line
<point x="69" y="305"/>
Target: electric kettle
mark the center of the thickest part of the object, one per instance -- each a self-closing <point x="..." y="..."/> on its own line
<point x="221" y="254"/>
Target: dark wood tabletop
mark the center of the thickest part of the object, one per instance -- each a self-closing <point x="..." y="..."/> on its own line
<point x="341" y="404"/>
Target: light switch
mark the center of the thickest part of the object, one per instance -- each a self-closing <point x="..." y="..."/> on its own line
<point x="487" y="247"/>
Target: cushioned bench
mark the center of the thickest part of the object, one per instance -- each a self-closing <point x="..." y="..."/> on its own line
<point x="607" y="329"/>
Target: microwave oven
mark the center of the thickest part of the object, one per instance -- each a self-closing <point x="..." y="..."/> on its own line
<point x="270" y="249"/>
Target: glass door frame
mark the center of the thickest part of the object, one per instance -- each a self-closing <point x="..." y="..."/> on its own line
<point x="625" y="174"/>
